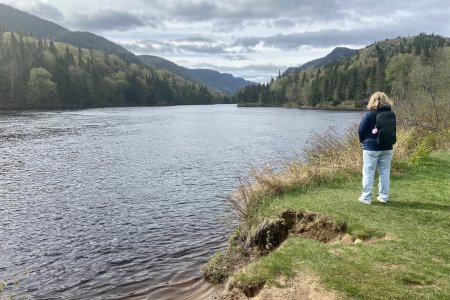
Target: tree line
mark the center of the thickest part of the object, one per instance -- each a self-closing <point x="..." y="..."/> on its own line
<point x="41" y="73"/>
<point x="352" y="79"/>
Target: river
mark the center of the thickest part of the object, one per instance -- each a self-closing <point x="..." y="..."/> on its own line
<point x="118" y="203"/>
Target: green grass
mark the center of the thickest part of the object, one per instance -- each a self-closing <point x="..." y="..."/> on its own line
<point x="412" y="263"/>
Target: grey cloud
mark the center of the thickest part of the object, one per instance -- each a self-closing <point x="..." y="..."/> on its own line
<point x="192" y="10"/>
<point x="227" y="15"/>
<point x="238" y="48"/>
<point x="236" y="57"/>
<point x="185" y="46"/>
<point x="383" y="9"/>
<point x="109" y="19"/>
<point x="148" y="47"/>
<point x="359" y="36"/>
<point x="284" y="23"/>
<point x="205" y="49"/>
<point x="322" y="39"/>
<point x="195" y="39"/>
<point x="46" y="11"/>
<point x="231" y="15"/>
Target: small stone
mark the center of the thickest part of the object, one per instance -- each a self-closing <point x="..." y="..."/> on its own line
<point x="357" y="241"/>
<point x="347" y="239"/>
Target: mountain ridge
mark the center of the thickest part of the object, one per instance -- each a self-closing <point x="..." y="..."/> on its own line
<point x="222" y="82"/>
<point x="336" y="54"/>
<point x="18" y="21"/>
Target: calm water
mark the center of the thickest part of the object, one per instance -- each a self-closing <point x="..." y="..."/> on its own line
<point x="129" y="202"/>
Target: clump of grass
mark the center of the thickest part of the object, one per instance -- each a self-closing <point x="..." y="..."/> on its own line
<point x="335" y="151"/>
<point x="217" y="269"/>
<point x="236" y="255"/>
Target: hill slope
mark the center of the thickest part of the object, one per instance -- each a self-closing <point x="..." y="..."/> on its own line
<point x="345" y="83"/>
<point x="15" y="20"/>
<point x="222" y="82"/>
<point x="336" y="54"/>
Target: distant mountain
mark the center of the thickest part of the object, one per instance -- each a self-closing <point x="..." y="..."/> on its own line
<point x="336" y="54"/>
<point x="18" y="21"/>
<point x="222" y="82"/>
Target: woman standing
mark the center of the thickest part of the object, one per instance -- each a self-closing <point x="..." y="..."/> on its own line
<point x="377" y="152"/>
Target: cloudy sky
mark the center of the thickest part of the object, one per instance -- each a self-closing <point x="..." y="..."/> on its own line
<point x="253" y="39"/>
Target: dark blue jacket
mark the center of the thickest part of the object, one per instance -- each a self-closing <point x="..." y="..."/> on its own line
<point x="368" y="122"/>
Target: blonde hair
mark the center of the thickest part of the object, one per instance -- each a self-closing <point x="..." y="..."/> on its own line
<point x="378" y="99"/>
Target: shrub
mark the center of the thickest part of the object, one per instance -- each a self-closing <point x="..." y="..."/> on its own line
<point x="421" y="90"/>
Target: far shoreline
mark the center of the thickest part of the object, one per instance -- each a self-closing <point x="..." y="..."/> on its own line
<point x="339" y="107"/>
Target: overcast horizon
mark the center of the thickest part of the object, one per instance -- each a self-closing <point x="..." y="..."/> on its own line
<point x="249" y="38"/>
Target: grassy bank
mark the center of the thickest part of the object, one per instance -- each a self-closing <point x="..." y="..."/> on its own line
<point x="401" y="248"/>
<point x="411" y="261"/>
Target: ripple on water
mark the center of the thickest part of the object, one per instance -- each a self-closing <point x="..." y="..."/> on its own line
<point x="129" y="202"/>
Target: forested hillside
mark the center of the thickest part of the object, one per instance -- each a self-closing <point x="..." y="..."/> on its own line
<point x="347" y="82"/>
<point x="39" y="73"/>
<point x="21" y="22"/>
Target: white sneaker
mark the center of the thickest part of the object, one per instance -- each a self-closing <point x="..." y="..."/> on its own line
<point x="382" y="200"/>
<point x="361" y="199"/>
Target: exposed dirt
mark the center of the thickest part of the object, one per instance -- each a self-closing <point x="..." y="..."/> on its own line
<point x="234" y="294"/>
<point x="271" y="233"/>
<point x="268" y="236"/>
<point x="303" y="286"/>
<point x="248" y="289"/>
<point x="314" y="226"/>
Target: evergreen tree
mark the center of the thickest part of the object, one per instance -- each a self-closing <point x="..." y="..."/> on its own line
<point x="42" y="90"/>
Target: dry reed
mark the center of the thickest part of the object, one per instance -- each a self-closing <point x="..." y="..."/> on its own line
<point x="326" y="158"/>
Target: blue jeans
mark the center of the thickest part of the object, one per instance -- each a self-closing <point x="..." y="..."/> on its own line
<point x="372" y="160"/>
